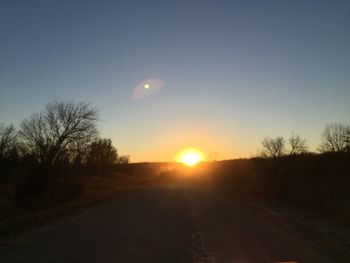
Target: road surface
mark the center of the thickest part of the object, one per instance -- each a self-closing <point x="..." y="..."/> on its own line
<point x="177" y="223"/>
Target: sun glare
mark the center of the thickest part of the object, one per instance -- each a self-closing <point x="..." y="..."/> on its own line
<point x="190" y="157"/>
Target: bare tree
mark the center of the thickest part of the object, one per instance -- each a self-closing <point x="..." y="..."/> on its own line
<point x="347" y="140"/>
<point x="297" y="145"/>
<point x="123" y="159"/>
<point x="335" y="138"/>
<point x="52" y="133"/>
<point x="273" y="147"/>
<point x="8" y="141"/>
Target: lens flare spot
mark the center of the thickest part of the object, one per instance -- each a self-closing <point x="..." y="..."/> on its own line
<point x="147" y="88"/>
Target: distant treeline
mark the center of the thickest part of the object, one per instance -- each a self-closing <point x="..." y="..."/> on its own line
<point x="63" y="133"/>
<point x="288" y="171"/>
<point x="38" y="159"/>
<point x="334" y="138"/>
<point x="320" y="182"/>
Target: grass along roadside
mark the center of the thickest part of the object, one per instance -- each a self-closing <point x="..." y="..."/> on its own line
<point x="327" y="234"/>
<point x="95" y="190"/>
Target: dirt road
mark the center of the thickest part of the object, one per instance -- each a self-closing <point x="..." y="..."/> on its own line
<point x="178" y="223"/>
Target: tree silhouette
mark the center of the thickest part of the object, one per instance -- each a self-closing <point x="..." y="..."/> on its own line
<point x="8" y="142"/>
<point x="273" y="147"/>
<point x="335" y="138"/>
<point x="297" y="145"/>
<point x="124" y="159"/>
<point x="51" y="134"/>
<point x="101" y="154"/>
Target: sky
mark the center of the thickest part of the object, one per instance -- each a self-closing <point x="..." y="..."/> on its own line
<point x="233" y="72"/>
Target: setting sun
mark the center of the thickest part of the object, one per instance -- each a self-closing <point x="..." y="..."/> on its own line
<point x="190" y="157"/>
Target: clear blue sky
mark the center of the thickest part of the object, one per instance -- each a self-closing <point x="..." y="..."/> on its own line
<point x="234" y="71"/>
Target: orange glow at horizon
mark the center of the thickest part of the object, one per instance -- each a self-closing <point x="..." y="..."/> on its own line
<point x="190" y="157"/>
